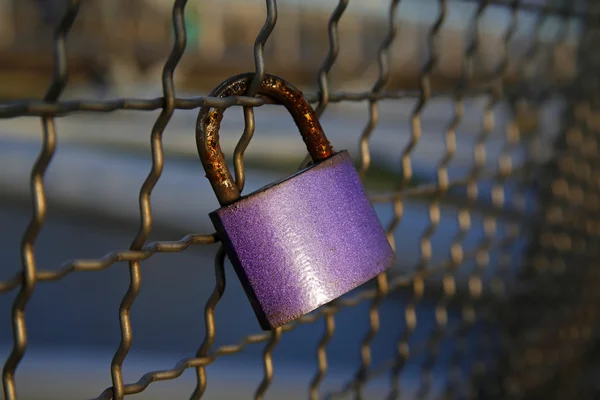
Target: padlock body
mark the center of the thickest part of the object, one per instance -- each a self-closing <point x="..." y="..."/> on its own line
<point x="304" y="241"/>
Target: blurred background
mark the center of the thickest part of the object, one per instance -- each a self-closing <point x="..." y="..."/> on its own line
<point x="118" y="48"/>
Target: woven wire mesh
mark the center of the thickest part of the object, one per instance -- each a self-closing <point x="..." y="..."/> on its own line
<point x="514" y="326"/>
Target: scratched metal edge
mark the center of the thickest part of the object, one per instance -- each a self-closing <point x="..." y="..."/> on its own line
<point x="235" y="262"/>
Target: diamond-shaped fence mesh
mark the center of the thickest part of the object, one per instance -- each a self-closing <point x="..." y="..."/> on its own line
<point x="477" y="142"/>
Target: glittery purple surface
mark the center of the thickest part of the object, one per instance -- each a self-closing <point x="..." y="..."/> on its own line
<point x="304" y="241"/>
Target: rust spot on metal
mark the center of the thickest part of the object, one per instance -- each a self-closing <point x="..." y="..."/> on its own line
<point x="280" y="92"/>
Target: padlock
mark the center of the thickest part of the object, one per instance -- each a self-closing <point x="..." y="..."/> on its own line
<point x="305" y="240"/>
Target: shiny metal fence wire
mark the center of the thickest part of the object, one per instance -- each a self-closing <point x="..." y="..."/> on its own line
<point x="522" y="336"/>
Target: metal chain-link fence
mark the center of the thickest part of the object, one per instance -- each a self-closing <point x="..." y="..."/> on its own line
<point x="508" y="304"/>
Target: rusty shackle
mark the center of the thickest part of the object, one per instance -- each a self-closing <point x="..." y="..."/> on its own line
<point x="209" y="121"/>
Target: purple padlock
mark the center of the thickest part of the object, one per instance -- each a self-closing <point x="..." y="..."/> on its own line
<point x="301" y="242"/>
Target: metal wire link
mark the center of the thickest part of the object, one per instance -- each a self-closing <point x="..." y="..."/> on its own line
<point x="29" y="277"/>
<point x="441" y="312"/>
<point x="323" y="83"/>
<point x="209" y="321"/>
<point x="135" y="274"/>
<point x="382" y="279"/>
<point x="493" y="332"/>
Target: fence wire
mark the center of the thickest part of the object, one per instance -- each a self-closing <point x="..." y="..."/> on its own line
<point x="518" y="334"/>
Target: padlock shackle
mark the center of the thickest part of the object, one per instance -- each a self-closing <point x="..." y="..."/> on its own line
<point x="209" y="121"/>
